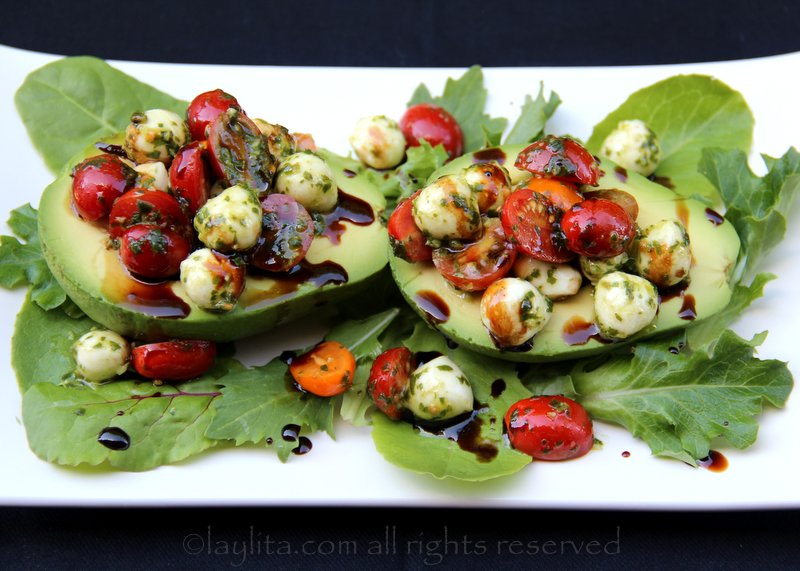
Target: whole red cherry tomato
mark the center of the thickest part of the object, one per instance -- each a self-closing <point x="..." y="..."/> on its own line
<point x="97" y="182"/>
<point x="189" y="175"/>
<point x="388" y="380"/>
<point x="239" y="153"/>
<point x="287" y="231"/>
<point x="205" y="108"/>
<point x="408" y="241"/>
<point x="597" y="228"/>
<point x="478" y="264"/>
<point x="433" y="124"/>
<point x="549" y="428"/>
<point x="531" y="222"/>
<point x="147" y="206"/>
<point x="560" y="157"/>
<point x="152" y="252"/>
<point x="174" y="360"/>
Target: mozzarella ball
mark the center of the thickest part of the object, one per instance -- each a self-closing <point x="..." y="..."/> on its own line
<point x="491" y="183"/>
<point x="152" y="175"/>
<point x="309" y="180"/>
<point x="101" y="355"/>
<point x="513" y="311"/>
<point x="624" y="304"/>
<point x="556" y="281"/>
<point x="663" y="253"/>
<point x="634" y="146"/>
<point x="438" y="390"/>
<point x="230" y="222"/>
<point x="279" y="140"/>
<point x="155" y="135"/>
<point x="447" y="209"/>
<point x="208" y="281"/>
<point x="596" y="268"/>
<point x="378" y="142"/>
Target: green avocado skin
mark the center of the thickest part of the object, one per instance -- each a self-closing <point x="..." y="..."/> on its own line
<point x="715" y="248"/>
<point x="78" y="255"/>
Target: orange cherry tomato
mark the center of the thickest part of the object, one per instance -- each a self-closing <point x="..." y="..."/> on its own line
<point x="326" y="370"/>
<point x="561" y="194"/>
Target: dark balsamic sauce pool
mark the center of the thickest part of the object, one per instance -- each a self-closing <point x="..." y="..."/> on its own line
<point x="114" y="438"/>
<point x="464" y="430"/>
<point x="495" y="155"/>
<point x="435" y="308"/>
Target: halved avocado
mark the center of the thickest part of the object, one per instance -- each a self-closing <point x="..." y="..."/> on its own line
<point x="715" y="247"/>
<point x="90" y="272"/>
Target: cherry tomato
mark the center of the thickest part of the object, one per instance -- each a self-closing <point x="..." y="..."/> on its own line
<point x="147" y="206"/>
<point x="531" y="222"/>
<point x="560" y="157"/>
<point x="433" y="124"/>
<point x="327" y="370"/>
<point x="239" y="153"/>
<point x="625" y="199"/>
<point x="388" y="380"/>
<point x="287" y="231"/>
<point x="174" y="360"/>
<point x="491" y="183"/>
<point x="477" y="265"/>
<point x="549" y="428"/>
<point x="408" y="241"/>
<point x="97" y="182"/>
<point x="597" y="228"/>
<point x="304" y="142"/>
<point x="561" y="194"/>
<point x="189" y="175"/>
<point x="152" y="252"/>
<point x="204" y="110"/>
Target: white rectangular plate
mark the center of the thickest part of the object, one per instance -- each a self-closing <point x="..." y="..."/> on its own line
<point x="348" y="471"/>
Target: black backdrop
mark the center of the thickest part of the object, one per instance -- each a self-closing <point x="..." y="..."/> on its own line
<point x="412" y="33"/>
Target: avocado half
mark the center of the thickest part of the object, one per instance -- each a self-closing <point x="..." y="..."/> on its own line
<point x="92" y="275"/>
<point x="715" y="248"/>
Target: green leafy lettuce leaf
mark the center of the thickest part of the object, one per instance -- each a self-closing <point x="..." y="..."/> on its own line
<point x="688" y="113"/>
<point x="485" y="457"/>
<point x="465" y="99"/>
<point x="74" y="101"/>
<point x="533" y="117"/>
<point x="756" y="206"/>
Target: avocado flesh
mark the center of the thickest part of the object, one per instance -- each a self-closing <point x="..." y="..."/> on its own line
<point x="94" y="278"/>
<point x="714" y="249"/>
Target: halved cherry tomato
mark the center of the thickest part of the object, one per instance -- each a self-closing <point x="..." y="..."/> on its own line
<point x="152" y="252"/>
<point x="531" y="222"/>
<point x="625" y="199"/>
<point x="549" y="428"/>
<point x="597" y="228"/>
<point x="204" y="110"/>
<point x="327" y="370"/>
<point x="189" y="175"/>
<point x="388" y="380"/>
<point x="97" y="182"/>
<point x="408" y="241"/>
<point x="287" y="231"/>
<point x="476" y="266"/>
<point x="174" y="360"/>
<point x="560" y="157"/>
<point x="304" y="142"/>
<point x="429" y="122"/>
<point x="239" y="152"/>
<point x="561" y="194"/>
<point x="147" y="206"/>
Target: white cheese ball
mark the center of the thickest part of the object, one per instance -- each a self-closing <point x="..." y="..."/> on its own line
<point x="309" y="180"/>
<point x="378" y="142"/>
<point x="155" y="135"/>
<point x="513" y="311"/>
<point x="624" y="304"/>
<point x="556" y="281"/>
<point x="596" y="268"/>
<point x="663" y="253"/>
<point x="634" y="146"/>
<point x="208" y="281"/>
<point x="152" y="175"/>
<point x="101" y="355"/>
<point x="491" y="183"/>
<point x="229" y="222"/>
<point x="447" y="209"/>
<point x="438" y="390"/>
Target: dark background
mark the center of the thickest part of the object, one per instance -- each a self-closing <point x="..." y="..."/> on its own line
<point x="413" y="33"/>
